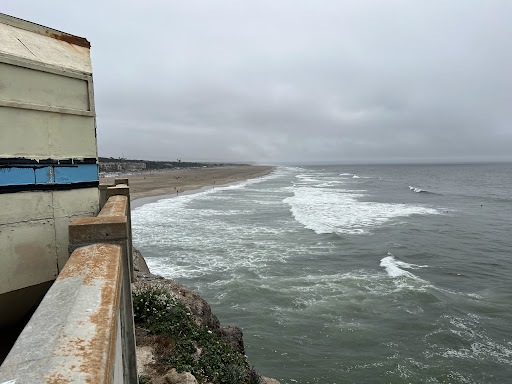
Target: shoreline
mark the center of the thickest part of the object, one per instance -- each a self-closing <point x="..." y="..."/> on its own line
<point x="140" y="201"/>
<point x="153" y="186"/>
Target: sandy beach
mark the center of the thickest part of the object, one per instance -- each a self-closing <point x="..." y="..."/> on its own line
<point x="160" y="183"/>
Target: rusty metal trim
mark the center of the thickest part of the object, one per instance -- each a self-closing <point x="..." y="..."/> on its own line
<point x="71" y="39"/>
<point x="45" y="31"/>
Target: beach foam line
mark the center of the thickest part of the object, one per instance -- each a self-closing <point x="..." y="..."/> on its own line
<point x="139" y="202"/>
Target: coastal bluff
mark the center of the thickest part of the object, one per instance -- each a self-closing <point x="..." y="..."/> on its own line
<point x="151" y="348"/>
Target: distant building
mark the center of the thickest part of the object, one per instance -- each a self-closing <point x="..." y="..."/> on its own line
<point x="122" y="166"/>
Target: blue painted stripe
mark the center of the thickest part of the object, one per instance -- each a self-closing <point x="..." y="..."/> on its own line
<point x="17" y="176"/>
<point x="77" y="174"/>
<point x="22" y="174"/>
<point x="44" y="175"/>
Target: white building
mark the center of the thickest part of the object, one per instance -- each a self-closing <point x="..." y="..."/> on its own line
<point x="48" y="156"/>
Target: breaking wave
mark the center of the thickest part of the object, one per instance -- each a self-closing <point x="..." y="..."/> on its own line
<point x="341" y="212"/>
<point x="420" y="190"/>
<point x="396" y="268"/>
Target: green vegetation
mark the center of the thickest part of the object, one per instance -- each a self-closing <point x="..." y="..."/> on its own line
<point x="196" y="349"/>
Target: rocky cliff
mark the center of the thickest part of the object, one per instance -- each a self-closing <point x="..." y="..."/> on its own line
<point x="152" y="348"/>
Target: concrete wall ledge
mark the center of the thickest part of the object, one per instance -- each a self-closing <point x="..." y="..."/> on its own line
<point x="111" y="224"/>
<point x="115" y="206"/>
<point x="88" y="229"/>
<point x="74" y="335"/>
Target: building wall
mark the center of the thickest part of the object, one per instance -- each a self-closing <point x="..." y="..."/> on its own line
<point x="48" y="156"/>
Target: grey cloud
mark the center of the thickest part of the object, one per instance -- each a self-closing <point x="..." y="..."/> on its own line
<point x="274" y="81"/>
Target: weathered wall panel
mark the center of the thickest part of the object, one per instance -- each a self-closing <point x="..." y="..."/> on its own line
<point x="68" y="205"/>
<point x="28" y="254"/>
<point x="76" y="202"/>
<point x="19" y="207"/>
<point x="72" y="136"/>
<point x="43" y="135"/>
<point x="24" y="44"/>
<point x="42" y="88"/>
<point x="32" y="218"/>
<point x="23" y="132"/>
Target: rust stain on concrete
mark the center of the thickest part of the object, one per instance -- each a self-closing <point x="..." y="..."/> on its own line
<point x="57" y="378"/>
<point x="101" y="266"/>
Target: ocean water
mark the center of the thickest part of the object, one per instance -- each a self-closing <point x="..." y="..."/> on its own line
<point x="351" y="274"/>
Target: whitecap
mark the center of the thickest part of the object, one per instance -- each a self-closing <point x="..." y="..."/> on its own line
<point x="417" y="190"/>
<point x="392" y="267"/>
<point x="340" y="211"/>
<point x="403" y="264"/>
<point x="420" y="190"/>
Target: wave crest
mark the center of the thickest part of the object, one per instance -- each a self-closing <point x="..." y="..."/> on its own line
<point x="341" y="211"/>
<point x="394" y="267"/>
<point x="420" y="190"/>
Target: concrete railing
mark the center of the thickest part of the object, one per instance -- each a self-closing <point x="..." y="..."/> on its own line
<point x="83" y="331"/>
<point x="74" y="335"/>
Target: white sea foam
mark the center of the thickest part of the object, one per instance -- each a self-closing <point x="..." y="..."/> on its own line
<point x="309" y="178"/>
<point x="346" y="174"/>
<point x="331" y="183"/>
<point x="109" y="174"/>
<point x="477" y="344"/>
<point x="395" y="268"/>
<point x="186" y="230"/>
<point x="340" y="211"/>
<point x="417" y="190"/>
<point x="392" y="268"/>
<point x="421" y="190"/>
<point x="355" y="177"/>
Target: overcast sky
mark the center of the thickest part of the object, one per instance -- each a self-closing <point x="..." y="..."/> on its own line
<point x="295" y="81"/>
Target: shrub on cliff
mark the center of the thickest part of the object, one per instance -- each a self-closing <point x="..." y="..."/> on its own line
<point x="196" y="349"/>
